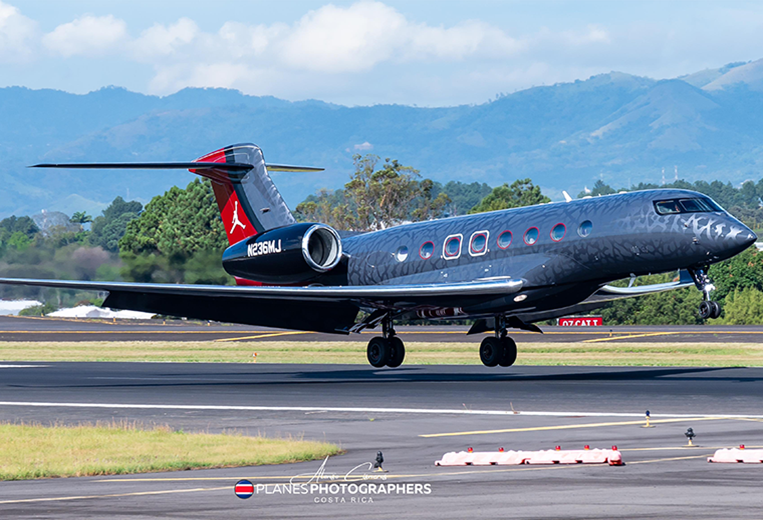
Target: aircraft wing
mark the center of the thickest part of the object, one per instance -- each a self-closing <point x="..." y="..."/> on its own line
<point x="423" y="293"/>
<point x="610" y="292"/>
<point x="317" y="308"/>
<point x="606" y="294"/>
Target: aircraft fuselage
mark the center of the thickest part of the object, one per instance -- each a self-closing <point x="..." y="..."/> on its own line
<point x="552" y="247"/>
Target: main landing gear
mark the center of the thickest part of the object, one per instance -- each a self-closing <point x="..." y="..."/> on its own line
<point x="386" y="350"/>
<point x="499" y="349"/>
<point x="708" y="308"/>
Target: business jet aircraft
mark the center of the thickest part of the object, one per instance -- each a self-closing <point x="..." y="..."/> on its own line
<point x="503" y="269"/>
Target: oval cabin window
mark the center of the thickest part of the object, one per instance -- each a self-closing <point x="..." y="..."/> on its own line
<point x="585" y="228"/>
<point x="504" y="239"/>
<point x="531" y="236"/>
<point x="557" y="232"/>
<point x="452" y="247"/>
<point x="427" y="250"/>
<point x="478" y="243"/>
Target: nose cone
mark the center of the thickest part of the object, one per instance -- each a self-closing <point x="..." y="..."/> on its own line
<point x="739" y="238"/>
<point x="751" y="237"/>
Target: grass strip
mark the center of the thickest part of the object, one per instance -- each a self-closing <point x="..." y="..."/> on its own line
<point x="30" y="451"/>
<point x="608" y="353"/>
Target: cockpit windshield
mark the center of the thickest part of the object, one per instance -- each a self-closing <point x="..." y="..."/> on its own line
<point x="674" y="206"/>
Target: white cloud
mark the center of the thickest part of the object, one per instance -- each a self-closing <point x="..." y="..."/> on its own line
<point x="17" y="34"/>
<point x="86" y="36"/>
<point x="364" y="147"/>
<point x="162" y="40"/>
<point x="467" y="39"/>
<point x="369" y="52"/>
<point x="336" y="39"/>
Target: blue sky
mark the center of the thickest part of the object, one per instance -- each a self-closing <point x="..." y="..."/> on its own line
<point x="429" y="53"/>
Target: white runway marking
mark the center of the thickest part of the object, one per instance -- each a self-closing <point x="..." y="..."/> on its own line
<point x="23" y="366"/>
<point x="364" y="410"/>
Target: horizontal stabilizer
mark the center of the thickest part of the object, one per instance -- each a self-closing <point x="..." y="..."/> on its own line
<point x="228" y="167"/>
<point x="292" y="169"/>
<point x="231" y="167"/>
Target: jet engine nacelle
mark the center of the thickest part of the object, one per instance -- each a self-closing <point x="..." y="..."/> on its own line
<point x="291" y="254"/>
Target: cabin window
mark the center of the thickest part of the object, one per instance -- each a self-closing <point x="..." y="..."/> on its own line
<point x="558" y="232"/>
<point x="401" y="254"/>
<point x="675" y="206"/>
<point x="504" y="239"/>
<point x="585" y="228"/>
<point x="478" y="243"/>
<point x="531" y="236"/>
<point x="427" y="250"/>
<point x="451" y="249"/>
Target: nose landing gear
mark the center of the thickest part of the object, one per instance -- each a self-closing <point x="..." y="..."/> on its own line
<point x="707" y="309"/>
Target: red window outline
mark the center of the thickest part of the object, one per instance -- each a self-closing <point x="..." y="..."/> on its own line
<point x="499" y="238"/>
<point x="422" y="247"/>
<point x="445" y="247"/>
<point x="471" y="243"/>
<point x="551" y="233"/>
<point x="524" y="237"/>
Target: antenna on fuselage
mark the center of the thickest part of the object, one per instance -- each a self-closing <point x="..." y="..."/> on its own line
<point x="567" y="197"/>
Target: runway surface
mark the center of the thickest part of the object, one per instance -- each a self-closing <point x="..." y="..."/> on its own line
<point x="414" y="415"/>
<point x="16" y="328"/>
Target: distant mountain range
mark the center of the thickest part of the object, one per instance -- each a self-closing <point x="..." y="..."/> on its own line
<point x="621" y="128"/>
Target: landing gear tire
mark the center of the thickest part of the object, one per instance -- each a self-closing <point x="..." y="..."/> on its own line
<point x="378" y="352"/>
<point x="709" y="309"/>
<point x="491" y="351"/>
<point x="509" y="352"/>
<point x="396" y="352"/>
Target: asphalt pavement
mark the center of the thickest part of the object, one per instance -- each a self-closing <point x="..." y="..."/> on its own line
<point x="413" y="414"/>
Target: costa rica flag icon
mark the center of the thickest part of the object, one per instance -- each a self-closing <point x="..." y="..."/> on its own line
<point x="244" y="489"/>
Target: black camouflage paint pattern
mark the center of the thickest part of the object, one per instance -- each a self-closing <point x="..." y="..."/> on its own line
<point x="628" y="237"/>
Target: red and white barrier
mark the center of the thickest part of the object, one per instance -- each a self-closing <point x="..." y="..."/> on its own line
<point x="612" y="457"/>
<point x="737" y="455"/>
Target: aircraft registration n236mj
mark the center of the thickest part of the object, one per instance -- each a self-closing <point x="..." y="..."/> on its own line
<point x="505" y="269"/>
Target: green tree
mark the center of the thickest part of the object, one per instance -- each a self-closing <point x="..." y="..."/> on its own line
<point x="39" y="310"/>
<point x="743" y="307"/>
<point x="19" y="241"/>
<point x="12" y="224"/>
<point x="463" y="196"/>
<point x="599" y="188"/>
<point x="109" y="228"/>
<point x="744" y="271"/>
<point x="80" y="217"/>
<point x="375" y="199"/>
<point x="327" y="207"/>
<point x="521" y="193"/>
<point x="168" y="242"/>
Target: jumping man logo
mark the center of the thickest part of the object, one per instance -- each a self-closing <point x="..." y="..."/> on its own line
<point x="236" y="221"/>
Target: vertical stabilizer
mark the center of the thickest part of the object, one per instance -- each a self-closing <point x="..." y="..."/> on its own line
<point x="249" y="202"/>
